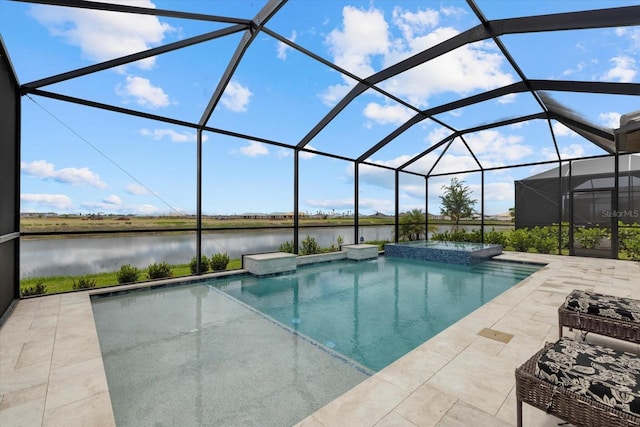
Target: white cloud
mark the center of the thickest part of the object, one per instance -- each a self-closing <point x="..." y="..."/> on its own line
<point x="448" y="163"/>
<point x="633" y="34"/>
<point x="143" y="92"/>
<point x="305" y="155"/>
<point x="173" y="136"/>
<point x="561" y="130"/>
<point x="112" y="200"/>
<point x="579" y="67"/>
<point x="340" y="204"/>
<point x="465" y="70"/>
<point x="418" y="22"/>
<point x="254" y="149"/>
<point x="144" y="209"/>
<point x="452" y="11"/>
<point x="106" y="206"/>
<point x="387" y="114"/>
<point x="438" y="134"/>
<point x="76" y="176"/>
<point x="331" y="95"/>
<point x="283" y="47"/>
<point x="48" y="201"/>
<point x="236" y="97"/>
<point x="494" y="191"/>
<point x="377" y="205"/>
<point x="365" y="37"/>
<point x="136" y="189"/>
<point x="364" y="33"/>
<point x="624" y="69"/>
<point x="493" y="148"/>
<point x="103" y="35"/>
<point x="507" y="99"/>
<point x="610" y="119"/>
<point x="571" y="151"/>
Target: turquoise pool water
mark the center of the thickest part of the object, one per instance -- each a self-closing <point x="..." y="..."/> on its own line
<point x="226" y="351"/>
<point x="374" y="312"/>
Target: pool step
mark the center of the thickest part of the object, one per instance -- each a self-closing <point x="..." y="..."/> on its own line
<point x="505" y="269"/>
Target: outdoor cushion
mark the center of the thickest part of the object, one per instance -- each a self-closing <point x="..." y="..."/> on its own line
<point x="608" y="376"/>
<point x="626" y="309"/>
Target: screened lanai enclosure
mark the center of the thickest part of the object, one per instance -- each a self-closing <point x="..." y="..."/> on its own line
<point x="295" y="109"/>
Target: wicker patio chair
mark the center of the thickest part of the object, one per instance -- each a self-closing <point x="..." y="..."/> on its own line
<point x="601" y="314"/>
<point x="559" y="400"/>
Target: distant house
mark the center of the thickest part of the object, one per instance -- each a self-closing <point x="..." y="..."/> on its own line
<point x="506" y="216"/>
<point x="272" y="215"/>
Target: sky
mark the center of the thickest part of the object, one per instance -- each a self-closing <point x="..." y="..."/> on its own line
<point x="77" y="159"/>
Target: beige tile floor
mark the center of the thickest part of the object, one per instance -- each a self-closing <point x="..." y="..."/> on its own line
<point x="51" y="371"/>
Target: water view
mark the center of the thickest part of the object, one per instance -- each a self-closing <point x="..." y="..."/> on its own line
<point x="86" y="255"/>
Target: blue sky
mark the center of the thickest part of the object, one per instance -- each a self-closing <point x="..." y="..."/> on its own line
<point x="77" y="159"/>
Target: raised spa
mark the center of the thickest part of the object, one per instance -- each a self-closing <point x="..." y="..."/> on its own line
<point x="463" y="253"/>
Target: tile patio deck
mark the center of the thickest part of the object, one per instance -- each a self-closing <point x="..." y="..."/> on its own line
<point x="52" y="374"/>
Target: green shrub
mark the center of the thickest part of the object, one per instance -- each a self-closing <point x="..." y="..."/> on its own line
<point x="286" y="247"/>
<point x="159" y="270"/>
<point x="38" y="289"/>
<point x="475" y="236"/>
<point x="219" y="261"/>
<point x="542" y="239"/>
<point x="128" y="274"/>
<point x="84" y="283"/>
<point x="519" y="240"/>
<point x="379" y="243"/>
<point x="204" y="264"/>
<point x="627" y="233"/>
<point x="310" y="246"/>
<point x="495" y="238"/>
<point x="441" y="237"/>
<point x="457" y="236"/>
<point x="565" y="233"/>
<point x="632" y="247"/>
<point x="589" y="238"/>
<point x="544" y="245"/>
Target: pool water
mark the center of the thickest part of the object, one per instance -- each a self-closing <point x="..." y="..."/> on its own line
<point x="269" y="351"/>
<point x="374" y="312"/>
<point x="189" y="355"/>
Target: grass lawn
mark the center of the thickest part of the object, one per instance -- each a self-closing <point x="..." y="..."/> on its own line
<point x="57" y="284"/>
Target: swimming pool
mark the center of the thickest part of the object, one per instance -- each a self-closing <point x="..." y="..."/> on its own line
<point x="271" y="350"/>
<point x="374" y="312"/>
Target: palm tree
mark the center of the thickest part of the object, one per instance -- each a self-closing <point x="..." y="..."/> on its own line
<point x="412" y="225"/>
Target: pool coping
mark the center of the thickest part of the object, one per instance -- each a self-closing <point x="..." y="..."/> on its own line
<point x="52" y="373"/>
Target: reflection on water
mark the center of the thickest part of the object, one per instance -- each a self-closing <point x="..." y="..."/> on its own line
<point x="85" y="255"/>
<point x="75" y="256"/>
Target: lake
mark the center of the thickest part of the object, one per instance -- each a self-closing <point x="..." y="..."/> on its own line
<point x="85" y="255"/>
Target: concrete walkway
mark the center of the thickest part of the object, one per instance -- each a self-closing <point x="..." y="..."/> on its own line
<point x="52" y="373"/>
